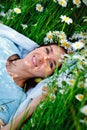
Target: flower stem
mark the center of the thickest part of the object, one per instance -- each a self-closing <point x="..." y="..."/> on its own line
<point x="63" y="26"/>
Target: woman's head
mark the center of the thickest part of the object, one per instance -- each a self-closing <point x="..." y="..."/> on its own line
<point x="43" y="60"/>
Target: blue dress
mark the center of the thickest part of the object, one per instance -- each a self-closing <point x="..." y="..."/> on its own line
<point x="11" y="95"/>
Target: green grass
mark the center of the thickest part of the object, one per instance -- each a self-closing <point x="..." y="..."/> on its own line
<point x="63" y="113"/>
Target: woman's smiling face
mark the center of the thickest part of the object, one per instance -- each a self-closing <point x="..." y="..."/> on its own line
<point x="43" y="60"/>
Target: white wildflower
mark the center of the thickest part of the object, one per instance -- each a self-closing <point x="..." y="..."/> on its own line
<point x="81" y="84"/>
<point x="62" y="91"/>
<point x="63" y="3"/>
<point x="71" y="81"/>
<point x="17" y="10"/>
<point x="49" y="37"/>
<point x="24" y="26"/>
<point x="77" y="45"/>
<point x="79" y="97"/>
<point x="2" y="14"/>
<point x="84" y="121"/>
<point x="66" y="44"/>
<point x="84" y="110"/>
<point x="39" y="7"/>
<point x="85" y="2"/>
<point x="55" y="1"/>
<point x="66" y="19"/>
<point x="77" y="2"/>
<point x="52" y="97"/>
<point x="62" y="35"/>
<point x="85" y="83"/>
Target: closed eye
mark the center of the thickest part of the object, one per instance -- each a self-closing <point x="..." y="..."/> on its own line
<point x="51" y="64"/>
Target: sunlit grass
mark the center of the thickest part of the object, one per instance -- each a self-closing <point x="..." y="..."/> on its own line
<point x="62" y="111"/>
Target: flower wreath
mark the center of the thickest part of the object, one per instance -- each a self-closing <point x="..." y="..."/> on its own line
<point x="61" y="38"/>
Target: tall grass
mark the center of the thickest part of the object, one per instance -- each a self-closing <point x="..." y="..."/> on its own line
<point x="61" y="112"/>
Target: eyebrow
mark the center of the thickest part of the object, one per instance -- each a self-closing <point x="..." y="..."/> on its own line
<point x="52" y="51"/>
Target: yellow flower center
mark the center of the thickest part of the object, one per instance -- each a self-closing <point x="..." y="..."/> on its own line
<point x="80" y="97"/>
<point x="39" y="7"/>
<point x="17" y="10"/>
<point x="49" y="36"/>
<point x="72" y="81"/>
<point x="81" y="85"/>
<point x="78" y="45"/>
<point x="64" y="44"/>
<point x="68" y="45"/>
<point x="66" y="19"/>
<point x="52" y="97"/>
<point x="77" y="1"/>
<point x="62" y="2"/>
<point x="85" y="110"/>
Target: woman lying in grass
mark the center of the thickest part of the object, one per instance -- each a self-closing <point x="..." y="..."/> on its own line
<point x="15" y="71"/>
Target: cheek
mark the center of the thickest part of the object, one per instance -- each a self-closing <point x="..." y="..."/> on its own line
<point x="45" y="71"/>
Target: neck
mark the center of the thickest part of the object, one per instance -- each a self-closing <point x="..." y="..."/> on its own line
<point x="17" y="71"/>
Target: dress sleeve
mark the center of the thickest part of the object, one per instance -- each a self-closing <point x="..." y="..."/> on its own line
<point x="17" y="38"/>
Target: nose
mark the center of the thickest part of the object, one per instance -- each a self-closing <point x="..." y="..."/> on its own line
<point x="42" y="59"/>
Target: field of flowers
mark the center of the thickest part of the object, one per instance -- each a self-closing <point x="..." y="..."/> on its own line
<point x="63" y="22"/>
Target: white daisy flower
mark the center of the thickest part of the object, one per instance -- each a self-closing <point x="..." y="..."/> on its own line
<point x="77" y="2"/>
<point x="49" y="37"/>
<point x="81" y="84"/>
<point x="39" y="7"/>
<point x="65" y="44"/>
<point x="52" y="97"/>
<point x="24" y="26"/>
<point x="55" y="1"/>
<point x="62" y="91"/>
<point x="77" y="45"/>
<point x="63" y="3"/>
<point x="71" y="81"/>
<point x="2" y="14"/>
<point x="84" y="110"/>
<point x="66" y="19"/>
<point x="85" y="2"/>
<point x="79" y="97"/>
<point x="83" y="120"/>
<point x="62" y="35"/>
<point x="17" y="10"/>
<point x="85" y="83"/>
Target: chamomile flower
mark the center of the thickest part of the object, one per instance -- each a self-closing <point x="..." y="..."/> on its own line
<point x="66" y="19"/>
<point x="81" y="84"/>
<point x="85" y="2"/>
<point x="72" y="81"/>
<point x="79" y="97"/>
<point x="39" y="8"/>
<point x="62" y="91"/>
<point x="17" y="10"/>
<point x="77" y="2"/>
<point x="63" y="3"/>
<point x="62" y="35"/>
<point x="65" y="44"/>
<point x="84" y="121"/>
<point x="84" y="110"/>
<point x="77" y="45"/>
<point x="2" y="14"/>
<point x="24" y="26"/>
<point x="52" y="97"/>
<point x="49" y="37"/>
<point x="55" y="1"/>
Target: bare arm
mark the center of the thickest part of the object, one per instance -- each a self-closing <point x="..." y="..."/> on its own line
<point x="24" y="115"/>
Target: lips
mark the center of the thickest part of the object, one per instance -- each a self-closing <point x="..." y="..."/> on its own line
<point x="34" y="61"/>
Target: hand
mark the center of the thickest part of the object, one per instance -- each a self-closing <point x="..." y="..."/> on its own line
<point x="44" y="92"/>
